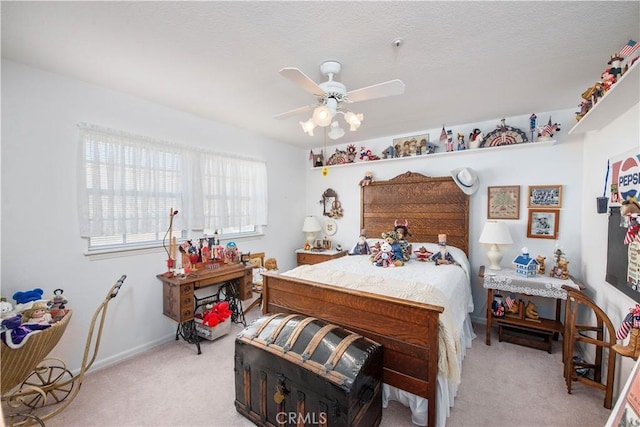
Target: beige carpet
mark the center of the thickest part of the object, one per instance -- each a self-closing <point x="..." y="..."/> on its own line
<point x="502" y="385"/>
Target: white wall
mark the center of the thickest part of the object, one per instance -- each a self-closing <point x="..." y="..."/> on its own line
<point x="621" y="135"/>
<point x="41" y="246"/>
<point x="523" y="165"/>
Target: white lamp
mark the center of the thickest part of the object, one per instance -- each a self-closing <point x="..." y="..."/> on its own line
<point x="495" y="233"/>
<point x="311" y="226"/>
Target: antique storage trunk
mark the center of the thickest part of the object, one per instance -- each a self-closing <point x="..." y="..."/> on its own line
<point x="296" y="370"/>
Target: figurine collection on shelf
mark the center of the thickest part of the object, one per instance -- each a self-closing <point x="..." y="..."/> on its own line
<point x="420" y="145"/>
<point x="608" y="78"/>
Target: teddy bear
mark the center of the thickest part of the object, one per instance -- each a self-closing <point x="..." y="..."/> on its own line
<point x="563" y="265"/>
<point x="423" y="254"/>
<point x="530" y="312"/>
<point x="385" y="257"/>
<point x="6" y="308"/>
<point x="541" y="267"/>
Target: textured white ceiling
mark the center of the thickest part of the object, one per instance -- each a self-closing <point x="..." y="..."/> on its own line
<point x="462" y="62"/>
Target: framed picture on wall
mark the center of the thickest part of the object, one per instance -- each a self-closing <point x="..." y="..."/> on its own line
<point x="544" y="196"/>
<point x="503" y="202"/>
<point x="543" y="223"/>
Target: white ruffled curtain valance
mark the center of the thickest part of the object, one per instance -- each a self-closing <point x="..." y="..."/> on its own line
<point x="128" y="184"/>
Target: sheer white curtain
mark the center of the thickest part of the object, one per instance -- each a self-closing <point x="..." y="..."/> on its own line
<point x="234" y="191"/>
<point x="129" y="184"/>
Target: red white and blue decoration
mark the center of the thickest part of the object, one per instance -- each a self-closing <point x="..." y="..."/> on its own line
<point x="625" y="177"/>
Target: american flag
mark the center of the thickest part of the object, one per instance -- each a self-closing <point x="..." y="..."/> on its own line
<point x="629" y="48"/>
<point x="510" y="300"/>
<point x="443" y="135"/>
<point x="548" y="129"/>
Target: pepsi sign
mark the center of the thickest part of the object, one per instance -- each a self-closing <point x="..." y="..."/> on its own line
<point x="625" y="178"/>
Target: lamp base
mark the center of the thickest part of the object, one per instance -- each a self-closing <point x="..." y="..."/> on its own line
<point x="495" y="257"/>
<point x="311" y="238"/>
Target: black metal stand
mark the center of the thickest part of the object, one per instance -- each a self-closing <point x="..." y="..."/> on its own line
<point x="187" y="330"/>
<point x="229" y="292"/>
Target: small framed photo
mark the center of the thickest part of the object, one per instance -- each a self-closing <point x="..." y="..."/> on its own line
<point x="503" y="202"/>
<point x="544" y="196"/>
<point x="410" y="145"/>
<point x="543" y="223"/>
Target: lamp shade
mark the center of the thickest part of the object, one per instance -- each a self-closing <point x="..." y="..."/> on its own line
<point x="322" y="116"/>
<point x="336" y="131"/>
<point x="495" y="233"/>
<point x="311" y="224"/>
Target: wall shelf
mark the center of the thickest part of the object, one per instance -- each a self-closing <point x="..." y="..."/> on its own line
<point x="622" y="96"/>
<point x="449" y="153"/>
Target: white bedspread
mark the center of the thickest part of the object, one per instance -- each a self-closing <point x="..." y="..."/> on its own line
<point x="444" y="285"/>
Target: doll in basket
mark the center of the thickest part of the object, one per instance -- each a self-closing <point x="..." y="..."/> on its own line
<point x="37" y="314"/>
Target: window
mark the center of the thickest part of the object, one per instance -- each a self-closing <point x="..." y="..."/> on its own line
<point x="130" y="184"/>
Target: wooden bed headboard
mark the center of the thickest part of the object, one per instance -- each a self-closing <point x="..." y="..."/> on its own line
<point x="432" y="205"/>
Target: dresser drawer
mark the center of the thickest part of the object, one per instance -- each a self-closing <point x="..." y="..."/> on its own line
<point x="315" y="258"/>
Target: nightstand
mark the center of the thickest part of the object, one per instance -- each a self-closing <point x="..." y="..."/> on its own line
<point x="314" y="257"/>
<point x="519" y="330"/>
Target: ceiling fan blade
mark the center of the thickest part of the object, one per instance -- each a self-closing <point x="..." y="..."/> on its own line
<point x="294" y="112"/>
<point x="380" y="90"/>
<point x="302" y="80"/>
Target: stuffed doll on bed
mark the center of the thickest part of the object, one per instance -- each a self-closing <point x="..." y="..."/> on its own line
<point x="361" y="247"/>
<point x="443" y="257"/>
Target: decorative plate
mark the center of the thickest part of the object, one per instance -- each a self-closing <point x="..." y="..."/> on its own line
<point x="330" y="227"/>
<point x="505" y="135"/>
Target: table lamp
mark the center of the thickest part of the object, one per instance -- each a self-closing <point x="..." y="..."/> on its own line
<point x="495" y="233"/>
<point x="311" y="226"/>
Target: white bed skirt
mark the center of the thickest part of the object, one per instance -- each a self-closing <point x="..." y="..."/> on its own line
<point x="446" y="390"/>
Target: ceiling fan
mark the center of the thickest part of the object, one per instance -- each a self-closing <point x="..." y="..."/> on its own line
<point x="332" y="96"/>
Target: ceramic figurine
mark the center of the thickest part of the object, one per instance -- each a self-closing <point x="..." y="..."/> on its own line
<point x="461" y="144"/>
<point x="531" y="312"/>
<point x="541" y="266"/>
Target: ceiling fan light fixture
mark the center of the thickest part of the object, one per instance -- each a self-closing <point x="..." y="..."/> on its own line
<point x="354" y="120"/>
<point x="322" y="116"/>
<point x="308" y="126"/>
<point x="336" y="131"/>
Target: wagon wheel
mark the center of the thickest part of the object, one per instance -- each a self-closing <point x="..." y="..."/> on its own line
<point x="53" y="377"/>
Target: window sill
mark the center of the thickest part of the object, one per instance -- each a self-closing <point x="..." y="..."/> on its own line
<point x="98" y="254"/>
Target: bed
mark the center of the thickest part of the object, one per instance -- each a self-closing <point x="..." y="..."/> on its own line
<point x="424" y="335"/>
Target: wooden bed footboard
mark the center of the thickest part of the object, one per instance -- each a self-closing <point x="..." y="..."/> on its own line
<point x="407" y="330"/>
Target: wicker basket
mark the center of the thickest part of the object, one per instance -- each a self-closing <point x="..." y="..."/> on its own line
<point x="18" y="363"/>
